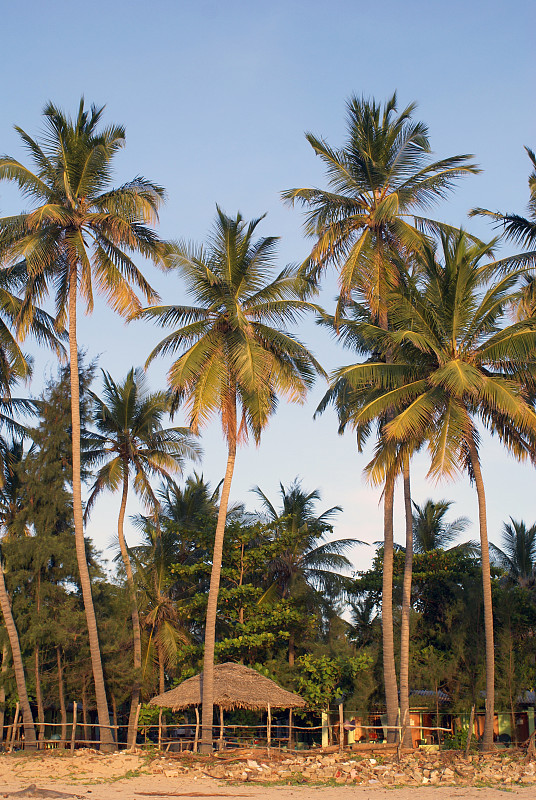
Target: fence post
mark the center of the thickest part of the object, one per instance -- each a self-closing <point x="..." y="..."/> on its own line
<point x="160" y="729"/>
<point x="15" y="723"/>
<point x="269" y="728"/>
<point x="220" y="743"/>
<point x="289" y="728"/>
<point x="470" y="731"/>
<point x="73" y="731"/>
<point x="136" y="719"/>
<point x="196" y="728"/>
<point x="341" y="728"/>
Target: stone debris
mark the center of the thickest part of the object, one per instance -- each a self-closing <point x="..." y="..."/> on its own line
<point x="415" y="769"/>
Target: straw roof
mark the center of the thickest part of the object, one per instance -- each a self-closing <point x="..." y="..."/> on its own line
<point x="235" y="686"/>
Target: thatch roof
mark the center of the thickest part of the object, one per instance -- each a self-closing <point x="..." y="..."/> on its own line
<point x="235" y="686"/>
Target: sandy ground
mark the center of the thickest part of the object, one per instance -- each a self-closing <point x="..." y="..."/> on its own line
<point x="123" y="777"/>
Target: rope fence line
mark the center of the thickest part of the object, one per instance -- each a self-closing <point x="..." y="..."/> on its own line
<point x="224" y="735"/>
<point x="173" y="736"/>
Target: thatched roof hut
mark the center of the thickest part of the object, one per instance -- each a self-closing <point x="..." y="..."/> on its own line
<point x="235" y="686"/>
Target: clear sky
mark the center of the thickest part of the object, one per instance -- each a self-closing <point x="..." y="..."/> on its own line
<point x="215" y="98"/>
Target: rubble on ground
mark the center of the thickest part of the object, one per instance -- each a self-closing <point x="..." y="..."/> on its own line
<point x="448" y="768"/>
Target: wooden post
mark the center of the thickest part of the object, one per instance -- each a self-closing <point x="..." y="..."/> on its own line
<point x="220" y="743"/>
<point x="290" y="729"/>
<point x="160" y="729"/>
<point x="470" y="731"/>
<point x="269" y="728"/>
<point x="15" y="723"/>
<point x="196" y="708"/>
<point x="341" y="728"/>
<point x="136" y="725"/>
<point x="73" y="730"/>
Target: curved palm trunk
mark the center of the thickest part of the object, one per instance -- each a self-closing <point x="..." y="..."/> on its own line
<point x="212" y="606"/>
<point x="487" y="741"/>
<point x="389" y="670"/>
<point x="5" y="652"/>
<point x="136" y="629"/>
<point x="406" y="611"/>
<point x="27" y="718"/>
<point x="105" y="733"/>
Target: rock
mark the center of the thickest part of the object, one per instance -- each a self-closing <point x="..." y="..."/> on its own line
<point x="171" y="773"/>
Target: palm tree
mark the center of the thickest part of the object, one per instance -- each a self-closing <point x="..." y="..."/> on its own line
<point x="308" y="562"/>
<point x="160" y="601"/>
<point x="518" y="552"/>
<point x="454" y="362"/>
<point x="363" y="223"/>
<point x="131" y="439"/>
<point x="430" y="529"/>
<point x="79" y="231"/>
<point x="233" y="362"/>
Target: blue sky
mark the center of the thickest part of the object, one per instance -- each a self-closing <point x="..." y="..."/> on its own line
<point x="215" y="98"/>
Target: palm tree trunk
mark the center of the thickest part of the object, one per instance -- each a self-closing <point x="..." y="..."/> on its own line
<point x="406" y="610"/>
<point x="291" y="649"/>
<point x="5" y="652"/>
<point x="161" y="671"/>
<point x="212" y="604"/>
<point x="487" y="741"/>
<point x="136" y="629"/>
<point x="20" y="678"/>
<point x="161" y="679"/>
<point x="61" y="692"/>
<point x="39" y="698"/>
<point x="105" y="734"/>
<point x="389" y="670"/>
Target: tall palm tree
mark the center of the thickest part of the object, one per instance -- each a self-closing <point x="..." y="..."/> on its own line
<point x="308" y="561"/>
<point x="130" y="440"/>
<point x="363" y="223"/>
<point x="10" y="501"/>
<point x="430" y="529"/>
<point x="455" y="362"/>
<point x="79" y="231"/>
<point x="517" y="555"/>
<point x="233" y="362"/>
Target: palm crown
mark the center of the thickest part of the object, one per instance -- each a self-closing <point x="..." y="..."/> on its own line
<point x="308" y="558"/>
<point x="79" y="226"/>
<point x="377" y="183"/>
<point x="517" y="555"/>
<point x="454" y="359"/>
<point x="233" y="360"/>
<point x="430" y="529"/>
<point x="130" y="437"/>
